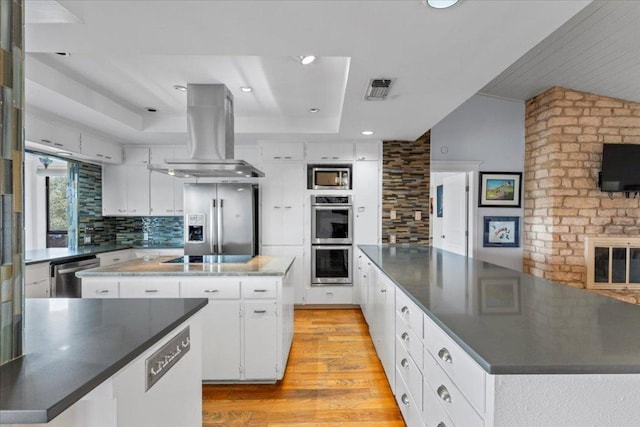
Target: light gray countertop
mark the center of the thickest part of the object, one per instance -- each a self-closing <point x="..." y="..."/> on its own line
<point x="260" y="265"/>
<point x="515" y="323"/>
<point x="36" y="256"/>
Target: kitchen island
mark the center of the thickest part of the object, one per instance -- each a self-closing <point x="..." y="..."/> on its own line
<point x="84" y="364"/>
<point x="495" y="347"/>
<point x="248" y="324"/>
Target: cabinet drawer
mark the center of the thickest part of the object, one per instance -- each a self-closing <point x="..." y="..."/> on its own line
<point x="410" y="313"/>
<point x="100" y="288"/>
<point x="432" y="411"/>
<point x="115" y="257"/>
<point x="410" y="411"/>
<point x="467" y="374"/>
<point x="145" y="288"/>
<point x="409" y="340"/>
<point x="212" y="288"/>
<point x="36" y="273"/>
<point x="410" y="373"/>
<point x="39" y="289"/>
<point x="438" y="384"/>
<point x="329" y="295"/>
<point x="259" y="288"/>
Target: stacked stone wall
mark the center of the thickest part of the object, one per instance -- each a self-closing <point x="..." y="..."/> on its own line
<point x="564" y="134"/>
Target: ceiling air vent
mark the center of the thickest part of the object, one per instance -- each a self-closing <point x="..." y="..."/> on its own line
<point x="378" y="89"/>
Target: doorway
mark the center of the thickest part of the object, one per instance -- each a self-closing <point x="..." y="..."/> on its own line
<point x="453" y="220"/>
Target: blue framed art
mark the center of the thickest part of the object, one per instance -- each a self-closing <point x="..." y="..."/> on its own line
<point x="501" y="232"/>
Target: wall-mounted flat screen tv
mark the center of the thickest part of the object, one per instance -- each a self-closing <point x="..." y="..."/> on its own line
<point x="620" y="167"/>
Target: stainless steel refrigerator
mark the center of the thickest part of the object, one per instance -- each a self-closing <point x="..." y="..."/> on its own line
<point x="220" y="219"/>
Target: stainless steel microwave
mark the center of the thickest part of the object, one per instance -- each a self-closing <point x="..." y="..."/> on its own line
<point x="324" y="177"/>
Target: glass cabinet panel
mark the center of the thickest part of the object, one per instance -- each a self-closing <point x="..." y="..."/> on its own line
<point x="634" y="265"/>
<point x="601" y="271"/>
<point x="618" y="265"/>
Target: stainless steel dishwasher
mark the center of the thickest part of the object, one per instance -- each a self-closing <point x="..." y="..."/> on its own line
<point x="64" y="283"/>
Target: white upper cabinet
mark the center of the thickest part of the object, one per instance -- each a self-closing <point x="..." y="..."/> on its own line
<point x="366" y="203"/>
<point x="54" y="135"/>
<point x="99" y="149"/>
<point x="161" y="195"/>
<point x="282" y="192"/>
<point x="367" y="151"/>
<point x="277" y="151"/>
<point x="334" y="151"/>
<point x="157" y="156"/>
<point x="136" y="156"/>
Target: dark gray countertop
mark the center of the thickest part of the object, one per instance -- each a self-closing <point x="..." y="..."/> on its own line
<point x="516" y="323"/>
<point x="73" y="345"/>
<point x="59" y="254"/>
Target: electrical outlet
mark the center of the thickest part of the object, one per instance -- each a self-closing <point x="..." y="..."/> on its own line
<point x="418" y="215"/>
<point x="87" y="239"/>
<point x="392" y="238"/>
<point x="392" y="214"/>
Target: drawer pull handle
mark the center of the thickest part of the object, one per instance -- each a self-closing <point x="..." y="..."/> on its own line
<point x="404" y="363"/>
<point x="383" y="291"/>
<point x="405" y="336"/>
<point x="116" y="259"/>
<point x="259" y="311"/>
<point x="441" y="424"/>
<point x="102" y="291"/>
<point x="150" y="291"/>
<point x="210" y="291"/>
<point x="445" y="355"/>
<point x="405" y="399"/>
<point x="444" y="394"/>
<point x="405" y="310"/>
<point x="260" y="290"/>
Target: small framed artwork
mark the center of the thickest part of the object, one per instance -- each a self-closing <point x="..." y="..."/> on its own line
<point x="439" y="190"/>
<point x="501" y="232"/>
<point x="500" y="189"/>
<point x="499" y="296"/>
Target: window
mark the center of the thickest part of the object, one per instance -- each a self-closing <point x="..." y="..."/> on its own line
<point x="57" y="211"/>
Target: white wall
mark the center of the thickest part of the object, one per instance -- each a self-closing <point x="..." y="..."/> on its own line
<point x="489" y="130"/>
<point x="34" y="205"/>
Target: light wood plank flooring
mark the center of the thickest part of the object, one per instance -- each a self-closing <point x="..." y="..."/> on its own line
<point x="333" y="378"/>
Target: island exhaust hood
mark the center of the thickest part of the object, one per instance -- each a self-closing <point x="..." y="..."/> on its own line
<point x="209" y="137"/>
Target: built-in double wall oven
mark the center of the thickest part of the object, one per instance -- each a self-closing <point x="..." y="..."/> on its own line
<point x="331" y="240"/>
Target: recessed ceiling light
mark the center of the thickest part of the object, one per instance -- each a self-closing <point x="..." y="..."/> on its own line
<point x="441" y="4"/>
<point x="314" y="110"/>
<point x="63" y="53"/>
<point x="306" y="60"/>
<point x="180" y="88"/>
<point x="150" y="109"/>
<point x="367" y="132"/>
<point x="246" y="89"/>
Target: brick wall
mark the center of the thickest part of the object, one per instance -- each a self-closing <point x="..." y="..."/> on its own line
<point x="564" y="134"/>
<point x="405" y="189"/>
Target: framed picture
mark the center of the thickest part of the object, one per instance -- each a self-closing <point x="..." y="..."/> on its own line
<point x="500" y="189"/>
<point x="439" y="190"/>
<point x="501" y="232"/>
<point x="499" y="296"/>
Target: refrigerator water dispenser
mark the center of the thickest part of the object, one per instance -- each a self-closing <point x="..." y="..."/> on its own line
<point x="195" y="228"/>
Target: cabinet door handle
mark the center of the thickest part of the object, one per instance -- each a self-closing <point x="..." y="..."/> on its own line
<point x="116" y="259"/>
<point x="404" y="363"/>
<point x="210" y="291"/>
<point x="259" y="311"/>
<point x="405" y="337"/>
<point x="335" y="158"/>
<point x="405" y="399"/>
<point x="287" y="157"/>
<point x="445" y="355"/>
<point x="383" y="290"/>
<point x="277" y="157"/>
<point x="325" y="157"/>
<point x="102" y="291"/>
<point x="133" y="210"/>
<point x="46" y="141"/>
<point x="260" y="290"/>
<point x="150" y="291"/>
<point x="441" y="424"/>
<point x="122" y="210"/>
<point x="444" y="394"/>
<point x="276" y="207"/>
<point x="362" y="158"/>
<point x="405" y="309"/>
<point x="57" y="144"/>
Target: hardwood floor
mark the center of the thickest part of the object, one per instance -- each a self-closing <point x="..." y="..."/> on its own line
<point x="333" y="378"/>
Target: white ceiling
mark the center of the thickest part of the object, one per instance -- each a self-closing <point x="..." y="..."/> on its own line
<point x="125" y="56"/>
<point x="597" y="51"/>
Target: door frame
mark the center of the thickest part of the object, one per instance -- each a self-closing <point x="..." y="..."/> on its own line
<point x="471" y="168"/>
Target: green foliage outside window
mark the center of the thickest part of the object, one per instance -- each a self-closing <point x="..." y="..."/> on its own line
<point x="58" y="220"/>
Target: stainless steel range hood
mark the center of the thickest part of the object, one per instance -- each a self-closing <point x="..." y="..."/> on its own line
<point x="209" y="137"/>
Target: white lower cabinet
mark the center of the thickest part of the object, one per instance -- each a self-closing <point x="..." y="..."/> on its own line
<point x="329" y="295"/>
<point x="260" y="332"/>
<point x="36" y="278"/>
<point x="247" y="324"/>
<point x="114" y="257"/>
<point x="297" y="269"/>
